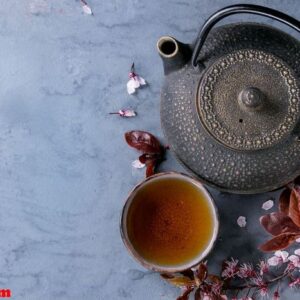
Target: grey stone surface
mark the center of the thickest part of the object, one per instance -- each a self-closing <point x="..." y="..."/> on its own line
<point x="65" y="168"/>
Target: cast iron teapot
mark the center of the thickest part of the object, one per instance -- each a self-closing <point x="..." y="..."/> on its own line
<point x="230" y="102"/>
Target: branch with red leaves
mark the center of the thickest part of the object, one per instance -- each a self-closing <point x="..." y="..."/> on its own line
<point x="284" y="225"/>
<point x="152" y="151"/>
<point x="236" y="281"/>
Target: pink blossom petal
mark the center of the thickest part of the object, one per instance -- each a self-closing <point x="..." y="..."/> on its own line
<point x="137" y="164"/>
<point x="295" y="260"/>
<point x="136" y="82"/>
<point x="141" y="80"/>
<point x="297" y="252"/>
<point x="241" y="221"/>
<point x="298" y="240"/>
<point x="274" y="261"/>
<point x="283" y="255"/>
<point x="86" y="9"/>
<point x="263" y="267"/>
<point x="131" y="86"/>
<point x="268" y="205"/>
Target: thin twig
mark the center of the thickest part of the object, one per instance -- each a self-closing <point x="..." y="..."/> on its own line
<point x="241" y="287"/>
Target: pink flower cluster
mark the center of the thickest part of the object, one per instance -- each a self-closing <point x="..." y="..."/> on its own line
<point x="255" y="277"/>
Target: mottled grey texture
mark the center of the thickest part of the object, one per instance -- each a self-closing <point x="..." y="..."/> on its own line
<point x="65" y="169"/>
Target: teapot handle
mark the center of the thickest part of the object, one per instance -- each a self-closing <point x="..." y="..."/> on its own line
<point x="235" y="9"/>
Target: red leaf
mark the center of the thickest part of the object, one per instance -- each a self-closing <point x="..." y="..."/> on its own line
<point x="186" y="293"/>
<point x="277" y="223"/>
<point x="143" y="141"/>
<point x="284" y="201"/>
<point x="294" y="209"/>
<point x="279" y="242"/>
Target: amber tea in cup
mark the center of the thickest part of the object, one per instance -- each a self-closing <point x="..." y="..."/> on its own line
<point x="169" y="222"/>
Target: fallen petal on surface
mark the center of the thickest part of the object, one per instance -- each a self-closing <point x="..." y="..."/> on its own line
<point x="268" y="205"/>
<point x="241" y="221"/>
<point x="137" y="164"/>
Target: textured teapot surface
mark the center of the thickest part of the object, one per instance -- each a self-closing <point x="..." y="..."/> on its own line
<point x="234" y="121"/>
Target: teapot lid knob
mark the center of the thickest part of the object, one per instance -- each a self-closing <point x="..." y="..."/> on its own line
<point x="251" y="98"/>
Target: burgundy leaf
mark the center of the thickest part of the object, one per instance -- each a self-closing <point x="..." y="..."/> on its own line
<point x="284" y="201"/>
<point x="277" y="223"/>
<point x="186" y="293"/>
<point x="279" y="242"/>
<point x="143" y="141"/>
<point x="201" y="272"/>
<point x="294" y="209"/>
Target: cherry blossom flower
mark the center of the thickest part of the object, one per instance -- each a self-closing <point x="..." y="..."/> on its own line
<point x="263" y="267"/>
<point x="86" y="8"/>
<point x="137" y="164"/>
<point x="279" y="258"/>
<point x="126" y="113"/>
<point x="135" y="81"/>
<point x="231" y="268"/>
<point x="241" y="221"/>
<point x="294" y="283"/>
<point x="298" y="240"/>
<point x="268" y="205"/>
<point x="246" y="271"/>
<point x="276" y="296"/>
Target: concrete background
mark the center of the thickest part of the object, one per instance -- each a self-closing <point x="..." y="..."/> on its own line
<point x="64" y="166"/>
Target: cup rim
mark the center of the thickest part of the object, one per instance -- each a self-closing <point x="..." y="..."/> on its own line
<point x="176" y="268"/>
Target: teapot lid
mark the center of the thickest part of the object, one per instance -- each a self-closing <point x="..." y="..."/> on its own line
<point x="249" y="100"/>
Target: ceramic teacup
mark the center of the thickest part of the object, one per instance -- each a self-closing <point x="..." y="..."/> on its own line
<point x="157" y="222"/>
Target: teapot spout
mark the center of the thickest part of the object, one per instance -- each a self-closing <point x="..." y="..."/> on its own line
<point x="174" y="54"/>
